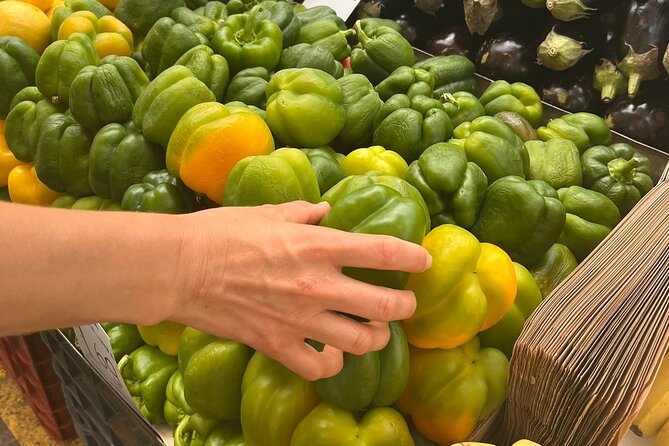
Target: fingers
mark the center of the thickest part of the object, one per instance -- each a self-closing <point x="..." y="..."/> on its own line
<point x="346" y="334"/>
<point x="303" y="212"/>
<point x="312" y="365"/>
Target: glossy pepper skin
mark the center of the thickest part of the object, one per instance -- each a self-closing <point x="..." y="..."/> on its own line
<point x="212" y="370"/>
<point x="310" y="15"/>
<point x="494" y="147"/>
<point x="7" y="159"/>
<point x="213" y="10"/>
<point x="522" y="217"/>
<point x="24" y="125"/>
<point x="583" y="129"/>
<point x="556" y="161"/>
<point x="159" y="192"/>
<point x="164" y="335"/>
<point x="248" y="86"/>
<point x="274" y="401"/>
<point x="305" y="107"/>
<point x="283" y="15"/>
<point x="377" y="209"/>
<point x="27" y="94"/>
<point x="69" y="7"/>
<point x="59" y="65"/>
<point x="450" y="391"/>
<point x="165" y="100"/>
<point x="553" y="268"/>
<point x="618" y="171"/>
<point x="504" y="333"/>
<point x="166" y="42"/>
<point x="146" y="372"/>
<point x="408" y="126"/>
<point x="380" y="52"/>
<point x="462" y="106"/>
<point x="212" y="69"/>
<point x="325" y="33"/>
<point x="62" y="158"/>
<point x="109" y="35"/>
<point x="18" y="62"/>
<point x="284" y="175"/>
<point x="198" y="430"/>
<point x="406" y="80"/>
<point x="453" y="188"/>
<point x="247" y="42"/>
<point x="590" y="217"/>
<point x="452" y="73"/>
<point x="374" y="379"/>
<point x="362" y="103"/>
<point x="306" y="55"/>
<point x="92" y="203"/>
<point x="107" y="93"/>
<point x="517" y="97"/>
<point x="469" y="288"/>
<point x="176" y="407"/>
<point x="124" y="338"/>
<point x="25" y="187"/>
<point x="374" y="158"/>
<point x="326" y="164"/>
<point x="194" y="21"/>
<point x="329" y="425"/>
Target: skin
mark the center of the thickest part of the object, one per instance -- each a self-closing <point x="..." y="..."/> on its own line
<point x="265" y="276"/>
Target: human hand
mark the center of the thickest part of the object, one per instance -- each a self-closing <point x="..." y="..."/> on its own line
<point x="268" y="277"/>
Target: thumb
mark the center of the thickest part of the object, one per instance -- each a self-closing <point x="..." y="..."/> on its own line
<point x="303" y="212"/>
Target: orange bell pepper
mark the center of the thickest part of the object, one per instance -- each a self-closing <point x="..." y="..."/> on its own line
<point x="109" y="34"/>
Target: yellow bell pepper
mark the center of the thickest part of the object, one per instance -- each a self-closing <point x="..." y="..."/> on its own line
<point x="165" y="335"/>
<point x="7" y="159"/>
<point x="25" y="188"/>
<point x="109" y="34"/>
<point x="469" y="288"/>
<point x="361" y="161"/>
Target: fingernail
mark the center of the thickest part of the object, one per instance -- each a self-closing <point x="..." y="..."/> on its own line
<point x="428" y="262"/>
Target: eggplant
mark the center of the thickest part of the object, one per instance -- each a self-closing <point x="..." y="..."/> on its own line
<point x="454" y="39"/>
<point x="608" y="79"/>
<point x="429" y="6"/>
<point x="643" y="42"/>
<point x="569" y="42"/>
<point x="417" y="26"/>
<point x="509" y="56"/>
<point x="646" y="117"/>
<point x="492" y="16"/>
<point x="567" y="10"/>
<point x="571" y="90"/>
<point x="534" y="3"/>
<point x="380" y="8"/>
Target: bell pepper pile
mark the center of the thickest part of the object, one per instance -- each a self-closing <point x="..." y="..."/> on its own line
<point x="172" y="107"/>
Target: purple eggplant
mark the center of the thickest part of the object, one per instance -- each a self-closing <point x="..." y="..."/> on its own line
<point x="429" y="6"/>
<point x="381" y="8"/>
<point x="643" y="42"/>
<point x="454" y="39"/>
<point x="417" y="26"/>
<point x="567" y="43"/>
<point x="567" y="10"/>
<point x="571" y="90"/>
<point x="510" y="56"/>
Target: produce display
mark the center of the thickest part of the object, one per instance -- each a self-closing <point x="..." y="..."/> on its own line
<point x="173" y="107"/>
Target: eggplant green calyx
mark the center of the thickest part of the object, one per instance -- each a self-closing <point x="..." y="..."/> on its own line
<point x="609" y="80"/>
<point x="559" y="52"/>
<point x="479" y="14"/>
<point x="567" y="10"/>
<point x="639" y="67"/>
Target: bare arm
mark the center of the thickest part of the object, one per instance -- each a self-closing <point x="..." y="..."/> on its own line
<point x="262" y="276"/>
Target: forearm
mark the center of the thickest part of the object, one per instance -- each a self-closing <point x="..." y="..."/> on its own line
<point x="65" y="268"/>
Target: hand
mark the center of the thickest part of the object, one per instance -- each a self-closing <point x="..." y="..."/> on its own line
<point x="268" y="277"/>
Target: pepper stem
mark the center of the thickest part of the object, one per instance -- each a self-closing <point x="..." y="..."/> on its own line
<point x="362" y="37"/>
<point x="248" y="32"/>
<point x="123" y="362"/>
<point x="348" y="33"/>
<point x="623" y="170"/>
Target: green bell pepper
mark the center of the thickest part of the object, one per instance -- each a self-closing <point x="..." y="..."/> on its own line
<point x="283" y="176"/>
<point x="354" y="182"/>
<point x="166" y="42"/>
<point x="283" y="15"/>
<point x="362" y="103"/>
<point x="165" y="100"/>
<point x="159" y="192"/>
<point x="62" y="158"/>
<point x="326" y="164"/>
<point x="380" y="52"/>
<point x="374" y="159"/>
<point x="69" y="7"/>
<point x="248" y="86"/>
<point x="377" y="209"/>
<point x="305" y="55"/>
<point x="453" y="188"/>
<point x="518" y="97"/>
<point x="325" y="33"/>
<point x="406" y="80"/>
<point x="329" y="425"/>
<point x="373" y="379"/>
<point x="119" y="158"/>
<point x="462" y="106"/>
<point x="619" y="171"/>
<point x="165" y="335"/>
<point x="141" y="15"/>
<point x="452" y="74"/>
<point x="310" y="15"/>
<point x="410" y="125"/>
<point x="146" y="372"/>
<point x="518" y="124"/>
<point x="305" y="107"/>
<point x="274" y="401"/>
<point x="92" y="203"/>
<point x="18" y="62"/>
<point x="23" y="127"/>
<point x="194" y="21"/>
<point x="368" y="24"/>
<point x="59" y="65"/>
<point x="524" y="218"/>
<point x="504" y="333"/>
<point x="553" y="268"/>
<point x="247" y="42"/>
<point x="494" y="147"/>
<point x="216" y="11"/>
<point x="212" y="69"/>
<point x="590" y="217"/>
<point x="556" y="161"/>
<point x="31" y="94"/>
<point x="124" y="338"/>
<point x="176" y="407"/>
<point x="258" y="111"/>
<point x="212" y="370"/>
<point x="107" y="93"/>
<point x="583" y="129"/>
<point x="198" y="430"/>
<point x="235" y="7"/>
